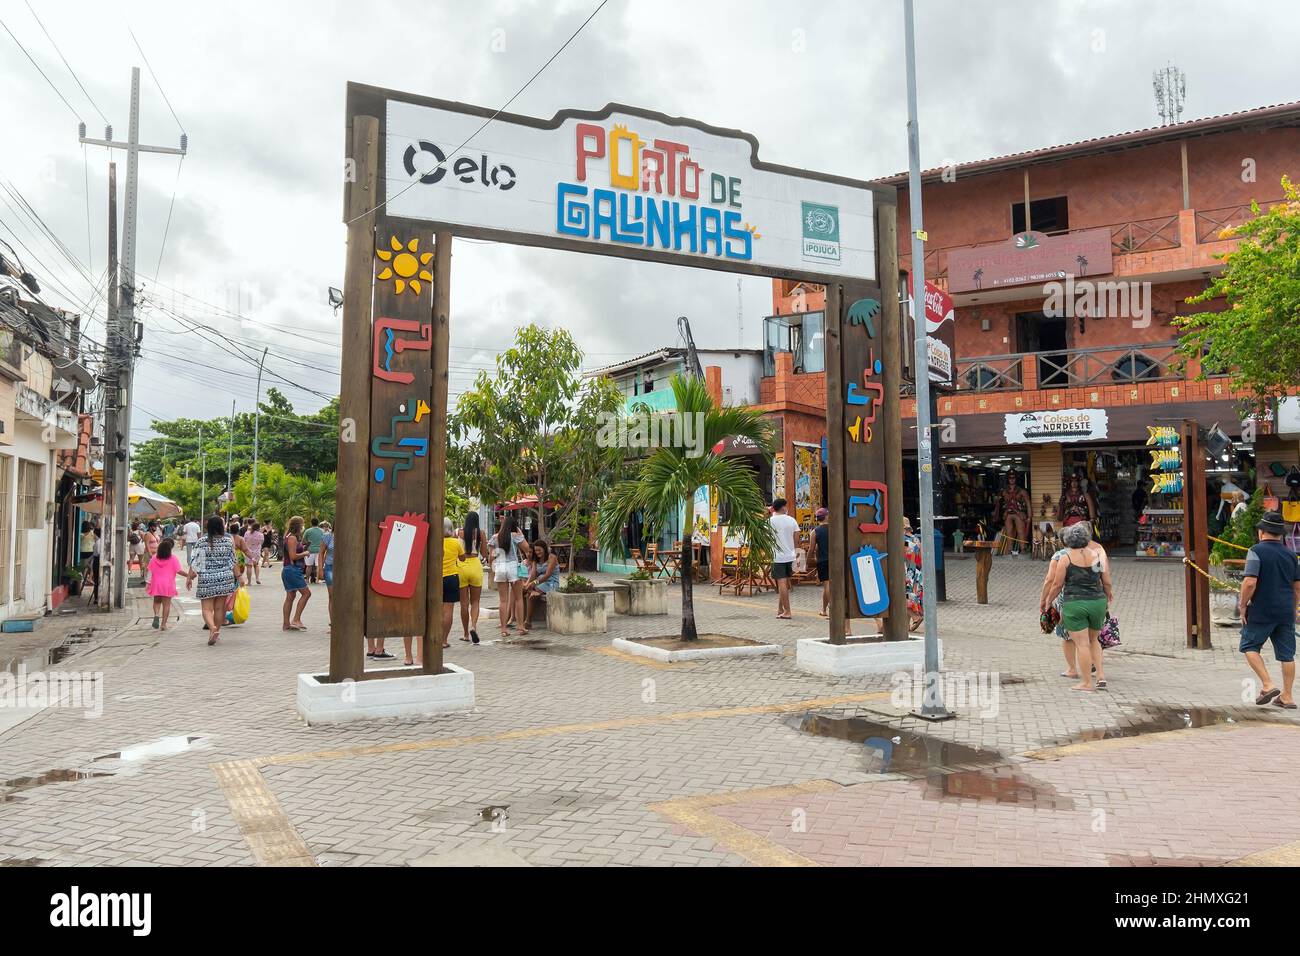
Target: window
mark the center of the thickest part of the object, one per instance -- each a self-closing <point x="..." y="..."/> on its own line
<point x="31" y="510"/>
<point x="1051" y="216"/>
<point x="801" y="334"/>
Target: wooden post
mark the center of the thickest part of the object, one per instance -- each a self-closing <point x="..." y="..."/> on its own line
<point x="1196" y="546"/>
<point x="838" y="556"/>
<point x="433" y="635"/>
<point x="896" y="625"/>
<point x="347" y="639"/>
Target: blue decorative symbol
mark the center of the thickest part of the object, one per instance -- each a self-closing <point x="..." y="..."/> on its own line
<point x="379" y="475"/>
<point x="869" y="580"/>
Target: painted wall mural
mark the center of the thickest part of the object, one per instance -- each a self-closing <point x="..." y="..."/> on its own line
<point x="807" y="483"/>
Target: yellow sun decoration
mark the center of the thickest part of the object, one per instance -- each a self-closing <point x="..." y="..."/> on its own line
<point x="404" y="268"/>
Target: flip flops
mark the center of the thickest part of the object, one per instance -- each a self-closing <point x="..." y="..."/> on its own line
<point x="1284" y="706"/>
<point x="1267" y="696"/>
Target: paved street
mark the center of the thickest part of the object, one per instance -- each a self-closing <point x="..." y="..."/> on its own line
<point x="579" y="755"/>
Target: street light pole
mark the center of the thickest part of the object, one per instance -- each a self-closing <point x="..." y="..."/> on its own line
<point x="932" y="707"/>
<point x="257" y="422"/>
<point x="203" y="478"/>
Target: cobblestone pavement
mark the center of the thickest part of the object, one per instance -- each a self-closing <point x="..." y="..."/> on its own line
<point x="575" y="755"/>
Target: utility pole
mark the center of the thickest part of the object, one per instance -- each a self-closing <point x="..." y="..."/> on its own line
<point x="932" y="707"/>
<point x="123" y="337"/>
<point x="203" y="479"/>
<point x="108" y="384"/>
<point x="257" y="422"/>
<point x="230" y="454"/>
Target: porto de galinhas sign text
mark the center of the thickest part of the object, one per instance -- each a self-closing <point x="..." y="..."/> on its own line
<point x="628" y="182"/>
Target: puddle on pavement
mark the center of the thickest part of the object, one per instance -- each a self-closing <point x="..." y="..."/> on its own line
<point x="17" y="784"/>
<point x="30" y="861"/>
<point x="1006" y="784"/>
<point x="888" y="749"/>
<point x="491" y="814"/>
<point x="539" y="644"/>
<point x="1158" y="719"/>
<point x="37" y="661"/>
<point x="162" y="747"/>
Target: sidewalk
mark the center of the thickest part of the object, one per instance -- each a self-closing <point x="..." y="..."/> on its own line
<point x="600" y="757"/>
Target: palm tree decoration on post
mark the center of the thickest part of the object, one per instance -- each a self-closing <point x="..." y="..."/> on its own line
<point x="670" y="476"/>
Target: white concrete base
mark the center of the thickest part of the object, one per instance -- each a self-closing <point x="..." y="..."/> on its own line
<point x="408" y="693"/>
<point x="694" y="654"/>
<point x="816" y="655"/>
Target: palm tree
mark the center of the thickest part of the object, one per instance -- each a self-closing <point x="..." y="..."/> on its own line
<point x="670" y="476"/>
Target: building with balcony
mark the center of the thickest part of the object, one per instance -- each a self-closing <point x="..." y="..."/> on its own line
<point x="45" y="433"/>
<point x="1067" y="266"/>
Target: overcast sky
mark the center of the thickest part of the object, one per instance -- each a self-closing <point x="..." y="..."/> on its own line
<point x="256" y="235"/>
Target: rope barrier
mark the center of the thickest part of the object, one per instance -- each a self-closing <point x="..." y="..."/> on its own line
<point x="1214" y="582"/>
<point x="1228" y="543"/>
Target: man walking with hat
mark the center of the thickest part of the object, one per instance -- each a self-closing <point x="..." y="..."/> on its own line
<point x="1269" y="593"/>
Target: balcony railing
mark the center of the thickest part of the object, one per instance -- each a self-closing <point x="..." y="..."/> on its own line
<point x="1071" y="368"/>
<point x="1210" y="222"/>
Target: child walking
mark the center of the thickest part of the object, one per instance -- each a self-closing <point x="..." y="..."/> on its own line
<point x="163" y="569"/>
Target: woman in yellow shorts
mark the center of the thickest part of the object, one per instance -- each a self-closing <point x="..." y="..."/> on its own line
<point x="475" y="543"/>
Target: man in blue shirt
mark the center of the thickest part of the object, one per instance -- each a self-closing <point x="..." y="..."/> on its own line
<point x="1269" y="593"/>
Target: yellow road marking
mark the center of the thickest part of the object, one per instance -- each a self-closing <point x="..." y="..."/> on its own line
<point x="1288" y="854"/>
<point x="270" y="835"/>
<point x="274" y="842"/>
<point x="695" y="813"/>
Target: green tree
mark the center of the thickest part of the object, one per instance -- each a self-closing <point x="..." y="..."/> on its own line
<point x="669" y="478"/>
<point x="532" y="428"/>
<point x="1257" y="338"/>
<point x="188" y="492"/>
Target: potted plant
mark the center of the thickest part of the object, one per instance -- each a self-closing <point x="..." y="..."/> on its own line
<point x="576" y="607"/>
<point x="72" y="578"/>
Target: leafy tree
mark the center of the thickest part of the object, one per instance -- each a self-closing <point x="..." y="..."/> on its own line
<point x="281" y="495"/>
<point x="305" y="444"/>
<point x="1240" y="531"/>
<point x="669" y="477"/>
<point x="1257" y="338"/>
<point x="531" y="428"/>
<point x="188" y="492"/>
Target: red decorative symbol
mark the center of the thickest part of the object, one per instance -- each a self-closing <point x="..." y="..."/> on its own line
<point x="388" y="346"/>
<point x="876" y="500"/>
<point x="400" y="556"/>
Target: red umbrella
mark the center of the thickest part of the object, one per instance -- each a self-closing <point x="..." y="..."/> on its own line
<point x="527" y="501"/>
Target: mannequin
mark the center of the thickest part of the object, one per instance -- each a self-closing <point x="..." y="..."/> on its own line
<point x="1076" y="504"/>
<point x="1012" y="508"/>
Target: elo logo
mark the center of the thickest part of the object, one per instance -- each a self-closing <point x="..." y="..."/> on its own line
<point x="465" y="168"/>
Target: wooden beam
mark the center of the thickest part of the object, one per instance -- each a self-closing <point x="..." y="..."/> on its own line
<point x="347" y="638"/>
<point x="433" y="635"/>
<point x="896" y="625"/>
<point x="838" y="557"/>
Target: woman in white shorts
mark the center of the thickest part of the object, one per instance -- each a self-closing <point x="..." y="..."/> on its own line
<point x="505" y="573"/>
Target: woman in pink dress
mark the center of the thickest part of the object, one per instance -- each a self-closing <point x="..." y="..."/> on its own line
<point x="163" y="569"/>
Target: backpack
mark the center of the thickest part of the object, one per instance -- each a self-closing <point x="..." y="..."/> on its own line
<point x="133" y="539"/>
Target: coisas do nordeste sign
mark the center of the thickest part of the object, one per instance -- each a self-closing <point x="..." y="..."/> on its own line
<point x="624" y="180"/>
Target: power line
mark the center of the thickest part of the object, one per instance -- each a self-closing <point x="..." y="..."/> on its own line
<point x="501" y="109"/>
<point x="41" y="72"/>
<point x="167" y="228"/>
<point x="155" y="80"/>
<point x="67" y="64"/>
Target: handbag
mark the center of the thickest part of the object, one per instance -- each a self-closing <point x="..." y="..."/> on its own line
<point x="1108" y="636"/>
<point x="1048" y="620"/>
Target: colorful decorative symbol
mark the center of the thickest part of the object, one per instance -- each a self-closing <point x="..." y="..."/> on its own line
<point x="388" y="346"/>
<point x="404" y="268"/>
<point x="403" y="450"/>
<point x="856" y="432"/>
<point x="863" y="312"/>
<point x="873" y="400"/>
<point x="400" y="555"/>
<point x="877" y="499"/>
<point x="868" y="568"/>
<point x="873" y="365"/>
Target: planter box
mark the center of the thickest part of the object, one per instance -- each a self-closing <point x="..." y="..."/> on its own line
<point x="637" y="598"/>
<point x="576" y="613"/>
<point x="820" y="656"/>
<point x="407" y="693"/>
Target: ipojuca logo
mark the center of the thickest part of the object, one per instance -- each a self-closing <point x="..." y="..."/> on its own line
<point x="467" y="169"/>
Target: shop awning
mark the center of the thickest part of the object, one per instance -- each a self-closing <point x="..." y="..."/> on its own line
<point x="143" y="503"/>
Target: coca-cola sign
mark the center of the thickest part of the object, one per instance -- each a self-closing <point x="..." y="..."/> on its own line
<point x="941" y="334"/>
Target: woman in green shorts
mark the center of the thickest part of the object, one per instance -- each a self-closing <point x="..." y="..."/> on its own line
<point x="1082" y="578"/>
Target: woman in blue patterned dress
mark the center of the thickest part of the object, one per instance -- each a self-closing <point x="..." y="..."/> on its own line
<point x="214" y="560"/>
